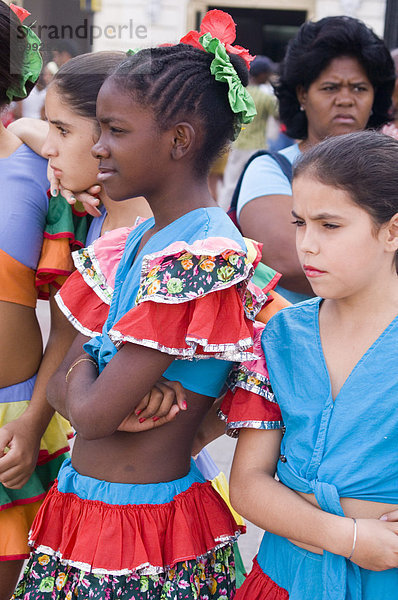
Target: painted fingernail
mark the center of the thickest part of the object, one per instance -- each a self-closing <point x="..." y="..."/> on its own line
<point x="141" y="420"/>
<point x="54" y="193"/>
<point x="383" y="518"/>
<point x="155" y="419"/>
<point x="73" y="199"/>
<point x="184" y="405"/>
<point x="138" y="412"/>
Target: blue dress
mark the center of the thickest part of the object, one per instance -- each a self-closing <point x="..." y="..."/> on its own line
<point x="331" y="448"/>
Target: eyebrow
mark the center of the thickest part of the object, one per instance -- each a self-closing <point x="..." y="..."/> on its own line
<point x="59" y="123"/>
<point x="320" y="217"/>
<point x="359" y="82"/>
<point x="107" y="120"/>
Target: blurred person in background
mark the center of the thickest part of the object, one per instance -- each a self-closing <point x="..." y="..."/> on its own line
<point x="64" y="50"/>
<point x="337" y="77"/>
<point x="253" y="136"/>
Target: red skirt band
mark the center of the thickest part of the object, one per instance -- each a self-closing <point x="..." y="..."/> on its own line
<point x="258" y="586"/>
<point x="110" y="539"/>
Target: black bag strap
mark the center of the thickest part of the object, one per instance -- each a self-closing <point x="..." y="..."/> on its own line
<point x="283" y="162"/>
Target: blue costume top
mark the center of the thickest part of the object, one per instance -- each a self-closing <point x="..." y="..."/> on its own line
<point x="331" y="448"/>
<point x="324" y="439"/>
<point x="24" y="210"/>
<point x="185" y="294"/>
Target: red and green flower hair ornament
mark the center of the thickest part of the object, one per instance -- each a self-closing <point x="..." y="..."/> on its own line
<point x="32" y="63"/>
<point x="220" y="25"/>
<point x="217" y="31"/>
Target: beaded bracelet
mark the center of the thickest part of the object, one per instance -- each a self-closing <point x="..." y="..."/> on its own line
<point x="79" y="361"/>
<point x="355" y="539"/>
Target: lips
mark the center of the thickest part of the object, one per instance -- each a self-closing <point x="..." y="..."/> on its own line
<point x="344" y="118"/>
<point x="311" y="271"/>
<point x="105" y="173"/>
<point x="57" y="172"/>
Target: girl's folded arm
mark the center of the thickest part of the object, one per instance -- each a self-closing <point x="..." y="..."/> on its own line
<point x="276" y="508"/>
<point x="56" y="388"/>
<point x="97" y="405"/>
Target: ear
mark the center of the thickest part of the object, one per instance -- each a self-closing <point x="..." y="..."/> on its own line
<point x="183" y="139"/>
<point x="301" y="94"/>
<point x="392" y="234"/>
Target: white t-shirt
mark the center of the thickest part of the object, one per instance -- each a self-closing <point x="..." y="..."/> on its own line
<point x="265" y="178"/>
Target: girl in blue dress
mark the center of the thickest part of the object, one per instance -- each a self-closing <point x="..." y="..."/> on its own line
<point x="329" y="425"/>
<point x="131" y="516"/>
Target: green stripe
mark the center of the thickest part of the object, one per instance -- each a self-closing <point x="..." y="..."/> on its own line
<point x="263" y="275"/>
<point x="61" y="219"/>
<point x="38" y="484"/>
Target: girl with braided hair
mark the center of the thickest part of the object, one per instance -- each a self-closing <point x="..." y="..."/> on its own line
<point x="130" y="515"/>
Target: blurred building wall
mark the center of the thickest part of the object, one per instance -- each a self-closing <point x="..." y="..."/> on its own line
<point x="168" y="20"/>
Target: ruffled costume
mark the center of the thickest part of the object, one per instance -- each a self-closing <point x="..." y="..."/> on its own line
<point x="188" y="298"/>
<point x="323" y="451"/>
<point x="25" y="208"/>
<point x="65" y="231"/>
<point x="204" y="461"/>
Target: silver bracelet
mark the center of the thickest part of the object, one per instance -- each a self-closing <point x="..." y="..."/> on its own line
<point x="355" y="539"/>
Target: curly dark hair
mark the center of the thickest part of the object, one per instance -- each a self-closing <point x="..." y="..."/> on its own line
<point x="12" y="51"/>
<point x="311" y="51"/>
<point x="176" y="83"/>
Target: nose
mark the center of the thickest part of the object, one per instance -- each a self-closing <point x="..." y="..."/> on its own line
<point x="306" y="240"/>
<point x="99" y="150"/>
<point x="344" y="96"/>
<point x="49" y="149"/>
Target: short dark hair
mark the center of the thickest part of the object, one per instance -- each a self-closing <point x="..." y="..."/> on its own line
<point x="12" y="52"/>
<point x="176" y="83"/>
<point x="68" y="46"/>
<point x="311" y="51"/>
<point x="363" y="164"/>
<point x="80" y="79"/>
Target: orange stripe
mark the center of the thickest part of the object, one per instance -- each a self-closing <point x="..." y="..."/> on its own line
<point x="17" y="281"/>
<point x="15" y="523"/>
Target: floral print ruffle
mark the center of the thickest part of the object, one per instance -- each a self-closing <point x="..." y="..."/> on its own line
<point x="86" y="263"/>
<point x="186" y="276"/>
<point x="208" y="578"/>
<point x="251" y="381"/>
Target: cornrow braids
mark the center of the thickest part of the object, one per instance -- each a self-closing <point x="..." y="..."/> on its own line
<point x="176" y="82"/>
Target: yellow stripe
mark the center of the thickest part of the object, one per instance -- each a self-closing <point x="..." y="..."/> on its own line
<point x="56" y="435"/>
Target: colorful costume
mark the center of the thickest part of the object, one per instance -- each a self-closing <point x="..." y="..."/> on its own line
<point x="25" y="207"/>
<point x="203" y="461"/>
<point x="188" y="298"/>
<point x="333" y="449"/>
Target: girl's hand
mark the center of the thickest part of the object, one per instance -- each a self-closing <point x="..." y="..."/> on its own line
<point x="160" y="406"/>
<point x="390" y="516"/>
<point x="87" y="198"/>
<point x="377" y="545"/>
<point x="19" y="449"/>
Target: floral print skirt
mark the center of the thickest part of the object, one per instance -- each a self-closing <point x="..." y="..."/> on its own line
<point x="211" y="577"/>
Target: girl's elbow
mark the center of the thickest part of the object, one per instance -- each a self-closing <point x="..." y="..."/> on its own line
<point x="237" y="495"/>
<point x="54" y="391"/>
<point x="90" y="427"/>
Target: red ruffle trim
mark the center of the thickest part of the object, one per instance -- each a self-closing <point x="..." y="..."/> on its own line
<point x="103" y="538"/>
<point x="258" y="586"/>
<point x="81" y="305"/>
<point x="243" y="406"/>
<point x="213" y="325"/>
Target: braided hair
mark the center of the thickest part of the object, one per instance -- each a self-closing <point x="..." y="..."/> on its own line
<point x="176" y="83"/>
